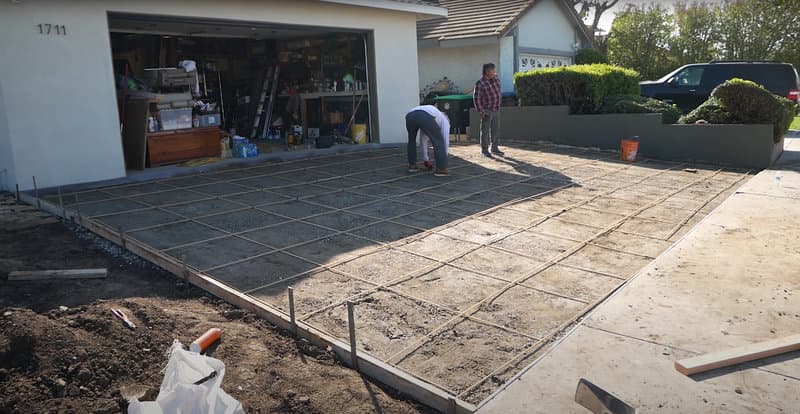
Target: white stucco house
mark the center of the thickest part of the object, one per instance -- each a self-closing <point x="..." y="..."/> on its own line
<point x="59" y="117"/>
<point x="516" y="35"/>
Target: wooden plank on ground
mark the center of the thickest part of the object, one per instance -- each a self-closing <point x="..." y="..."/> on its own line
<point x="58" y="274"/>
<point x="733" y="356"/>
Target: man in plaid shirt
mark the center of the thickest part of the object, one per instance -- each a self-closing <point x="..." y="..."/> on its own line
<point x="487" y="99"/>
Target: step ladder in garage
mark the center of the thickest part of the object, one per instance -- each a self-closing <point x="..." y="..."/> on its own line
<point x="273" y="73"/>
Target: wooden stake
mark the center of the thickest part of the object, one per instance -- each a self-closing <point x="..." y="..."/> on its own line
<point x="738" y="355"/>
<point x="351" y="322"/>
<point x="58" y="274"/>
<point x="292" y="319"/>
<point x="17" y="185"/>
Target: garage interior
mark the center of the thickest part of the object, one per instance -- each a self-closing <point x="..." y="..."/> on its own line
<point x="194" y="92"/>
<point x="460" y="282"/>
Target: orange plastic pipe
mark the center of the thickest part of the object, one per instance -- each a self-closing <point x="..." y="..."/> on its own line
<point x="205" y="340"/>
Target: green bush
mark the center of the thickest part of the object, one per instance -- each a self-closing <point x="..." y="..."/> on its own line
<point x="711" y="111"/>
<point x="636" y="104"/>
<point x="589" y="56"/>
<point x="582" y="87"/>
<point x="789" y="109"/>
<point x="740" y="101"/>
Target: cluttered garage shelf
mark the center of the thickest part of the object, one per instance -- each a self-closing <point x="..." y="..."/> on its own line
<point x="188" y="91"/>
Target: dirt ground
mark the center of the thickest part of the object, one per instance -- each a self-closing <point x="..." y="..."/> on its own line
<point x="61" y="350"/>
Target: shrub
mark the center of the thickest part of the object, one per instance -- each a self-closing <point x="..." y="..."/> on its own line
<point x="582" y="87"/>
<point x="636" y="104"/>
<point x="590" y="56"/>
<point x="711" y="111"/>
<point x="789" y="110"/>
<point x="740" y="101"/>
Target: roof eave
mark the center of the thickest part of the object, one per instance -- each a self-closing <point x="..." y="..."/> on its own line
<point x="423" y="12"/>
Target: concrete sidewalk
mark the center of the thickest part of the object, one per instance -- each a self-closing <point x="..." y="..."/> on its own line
<point x="733" y="280"/>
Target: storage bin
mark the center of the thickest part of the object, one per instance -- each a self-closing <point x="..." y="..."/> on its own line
<point x="209" y="120"/>
<point x="170" y="119"/>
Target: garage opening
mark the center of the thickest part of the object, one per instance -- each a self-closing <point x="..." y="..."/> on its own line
<point x="198" y="91"/>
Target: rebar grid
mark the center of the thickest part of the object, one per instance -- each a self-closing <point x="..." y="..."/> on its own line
<point x="401" y="355"/>
<point x="424" y="233"/>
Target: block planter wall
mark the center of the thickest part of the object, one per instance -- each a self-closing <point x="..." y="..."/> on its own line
<point x="747" y="146"/>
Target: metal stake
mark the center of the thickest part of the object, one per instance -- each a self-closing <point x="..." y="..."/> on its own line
<point x="452" y="405"/>
<point x="351" y="321"/>
<point x="17" y="185"/>
<point x="290" y="289"/>
<point x="61" y="203"/>
<point x="36" y="194"/>
<point x="122" y="236"/>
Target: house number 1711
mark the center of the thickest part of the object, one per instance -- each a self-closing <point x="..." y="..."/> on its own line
<point x="52" y="29"/>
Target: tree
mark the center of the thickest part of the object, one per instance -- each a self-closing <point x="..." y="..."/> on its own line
<point x="639" y="39"/>
<point x="595" y="9"/>
<point x="697" y="33"/>
<point x="759" y="29"/>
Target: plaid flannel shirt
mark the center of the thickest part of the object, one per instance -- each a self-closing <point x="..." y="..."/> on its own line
<point x="487" y="95"/>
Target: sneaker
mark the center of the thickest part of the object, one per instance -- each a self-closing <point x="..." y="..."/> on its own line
<point x="441" y="172"/>
<point x="412" y="168"/>
<point x="428" y="165"/>
<point x="498" y="152"/>
<point x="486" y="154"/>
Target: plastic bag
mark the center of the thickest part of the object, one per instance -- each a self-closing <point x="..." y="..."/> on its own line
<point x="191" y="385"/>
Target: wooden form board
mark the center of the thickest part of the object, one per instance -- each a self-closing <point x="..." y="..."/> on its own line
<point x="368" y="365"/>
<point x="58" y="274"/>
<point x="733" y="356"/>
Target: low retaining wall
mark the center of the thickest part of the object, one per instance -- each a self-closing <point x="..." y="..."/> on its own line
<point x="748" y="146"/>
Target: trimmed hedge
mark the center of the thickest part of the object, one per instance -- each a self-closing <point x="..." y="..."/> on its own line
<point x="740" y="101"/>
<point x="636" y="104"/>
<point x="582" y="87"/>
<point x="711" y="111"/>
<point x="589" y="56"/>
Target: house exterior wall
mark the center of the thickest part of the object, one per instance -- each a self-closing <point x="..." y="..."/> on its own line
<point x="547" y="26"/>
<point x="507" y="64"/>
<point x="462" y="65"/>
<point x="7" y="170"/>
<point x="58" y="90"/>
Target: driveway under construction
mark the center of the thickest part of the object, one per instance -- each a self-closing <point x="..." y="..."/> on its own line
<point x="459" y="281"/>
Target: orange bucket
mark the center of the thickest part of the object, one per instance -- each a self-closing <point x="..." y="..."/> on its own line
<point x="628" y="149"/>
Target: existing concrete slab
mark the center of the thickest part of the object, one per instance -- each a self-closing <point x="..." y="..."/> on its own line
<point x="732" y="280"/>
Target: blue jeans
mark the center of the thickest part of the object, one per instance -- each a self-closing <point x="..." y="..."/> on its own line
<point x="416" y="120"/>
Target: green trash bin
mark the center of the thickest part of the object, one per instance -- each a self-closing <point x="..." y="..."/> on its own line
<point x="457" y="109"/>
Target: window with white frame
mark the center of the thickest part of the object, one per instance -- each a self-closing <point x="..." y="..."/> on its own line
<point x="530" y="61"/>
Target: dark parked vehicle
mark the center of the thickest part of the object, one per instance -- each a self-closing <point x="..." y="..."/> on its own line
<point x="690" y="85"/>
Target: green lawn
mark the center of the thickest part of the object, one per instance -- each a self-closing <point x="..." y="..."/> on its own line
<point x="795" y="123"/>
